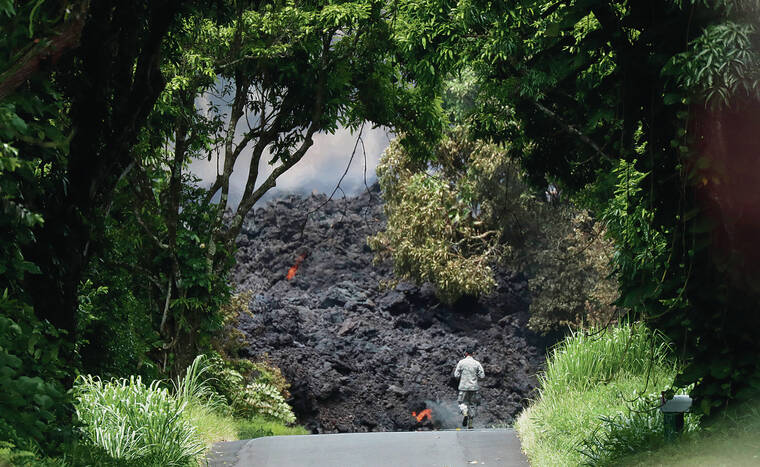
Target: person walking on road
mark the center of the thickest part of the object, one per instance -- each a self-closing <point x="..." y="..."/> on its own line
<point x="468" y="371"/>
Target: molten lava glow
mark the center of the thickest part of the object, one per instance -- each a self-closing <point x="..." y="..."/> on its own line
<point x="425" y="413"/>
<point x="294" y="268"/>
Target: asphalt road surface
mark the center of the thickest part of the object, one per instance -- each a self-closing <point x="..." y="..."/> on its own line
<point x="450" y="448"/>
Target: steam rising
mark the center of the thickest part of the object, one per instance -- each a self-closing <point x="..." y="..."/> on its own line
<point x="446" y="414"/>
<point x="319" y="170"/>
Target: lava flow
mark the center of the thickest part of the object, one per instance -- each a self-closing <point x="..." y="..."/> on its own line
<point x="294" y="268"/>
<point x="425" y="413"/>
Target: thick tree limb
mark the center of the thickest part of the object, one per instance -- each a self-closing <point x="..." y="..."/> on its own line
<point x="573" y="130"/>
<point x="162" y="327"/>
<point x="268" y="184"/>
<point x="45" y="51"/>
<point x="175" y="183"/>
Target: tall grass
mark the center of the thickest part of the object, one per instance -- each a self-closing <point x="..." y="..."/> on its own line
<point x="193" y="387"/>
<point x="136" y="423"/>
<point x="206" y="409"/>
<point x="212" y="426"/>
<point x="128" y="423"/>
<point x="590" y="408"/>
<point x="589" y="357"/>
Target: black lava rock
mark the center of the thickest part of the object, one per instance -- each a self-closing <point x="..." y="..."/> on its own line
<point x="361" y="356"/>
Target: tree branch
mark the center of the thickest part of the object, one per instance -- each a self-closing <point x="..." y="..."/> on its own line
<point x="247" y="203"/>
<point x="160" y="244"/>
<point x="162" y="327"/>
<point x="44" y="51"/>
<point x="572" y="130"/>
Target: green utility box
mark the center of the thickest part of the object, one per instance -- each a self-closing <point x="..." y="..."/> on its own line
<point x="672" y="413"/>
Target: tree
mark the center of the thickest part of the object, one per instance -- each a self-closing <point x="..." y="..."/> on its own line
<point x="434" y="232"/>
<point x="644" y="111"/>
<point x="470" y="209"/>
<point x="77" y="81"/>
<point x="35" y="35"/>
<point x="261" y="85"/>
<point x="105" y="86"/>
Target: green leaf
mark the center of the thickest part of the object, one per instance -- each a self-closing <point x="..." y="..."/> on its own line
<point x="671" y="98"/>
<point x="720" y="370"/>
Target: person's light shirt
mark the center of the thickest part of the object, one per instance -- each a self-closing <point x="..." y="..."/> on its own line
<point x="468" y="371"/>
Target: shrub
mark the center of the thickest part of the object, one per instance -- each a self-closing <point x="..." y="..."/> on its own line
<point x="132" y="422"/>
<point x="265" y="399"/>
<point x="264" y="371"/>
<point x="10" y="455"/>
<point x="251" y="389"/>
<point x="32" y="400"/>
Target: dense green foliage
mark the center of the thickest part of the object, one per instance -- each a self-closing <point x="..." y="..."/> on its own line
<point x="135" y="423"/>
<point x="599" y="397"/>
<point x="599" y="82"/>
<point x="31" y="396"/>
<point x="114" y="258"/>
<point x="31" y="369"/>
<point x="471" y="208"/>
<point x="645" y="113"/>
<point x="114" y="261"/>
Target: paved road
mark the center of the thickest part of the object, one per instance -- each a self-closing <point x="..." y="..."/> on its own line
<point x="399" y="449"/>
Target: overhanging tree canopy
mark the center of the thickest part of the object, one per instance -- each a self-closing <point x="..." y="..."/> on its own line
<point x="643" y="109"/>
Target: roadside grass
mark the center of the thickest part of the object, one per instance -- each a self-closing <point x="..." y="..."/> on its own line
<point x="258" y="427"/>
<point x="733" y="439"/>
<point x="211" y="426"/>
<point x="136" y="423"/>
<point x="593" y="405"/>
<point x="128" y="423"/>
<point x="214" y="427"/>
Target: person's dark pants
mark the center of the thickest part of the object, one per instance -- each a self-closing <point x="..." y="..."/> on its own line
<point x="468" y="403"/>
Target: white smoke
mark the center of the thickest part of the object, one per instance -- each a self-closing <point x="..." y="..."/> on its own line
<point x="446" y="415"/>
<point x="319" y="170"/>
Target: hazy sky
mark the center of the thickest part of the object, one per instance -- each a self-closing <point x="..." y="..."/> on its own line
<point x="320" y="169"/>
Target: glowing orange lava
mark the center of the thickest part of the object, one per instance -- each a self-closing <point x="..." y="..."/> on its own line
<point x="294" y="268"/>
<point x="425" y="413"/>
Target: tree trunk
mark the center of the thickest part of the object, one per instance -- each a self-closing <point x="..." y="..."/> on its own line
<point x="113" y="83"/>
